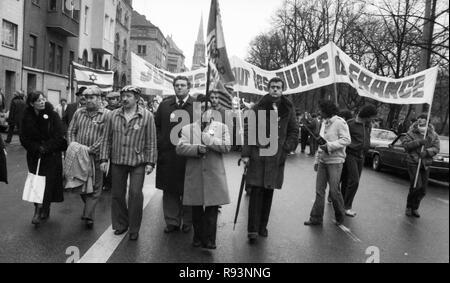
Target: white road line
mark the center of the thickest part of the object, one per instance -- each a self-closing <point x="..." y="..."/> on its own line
<point x="105" y="246"/>
<point x="350" y="233"/>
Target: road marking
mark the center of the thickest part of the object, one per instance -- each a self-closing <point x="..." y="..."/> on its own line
<point x="349" y="233"/>
<point x="442" y="200"/>
<point x="104" y="247"/>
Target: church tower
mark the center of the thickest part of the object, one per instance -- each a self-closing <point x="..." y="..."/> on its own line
<point x="199" y="60"/>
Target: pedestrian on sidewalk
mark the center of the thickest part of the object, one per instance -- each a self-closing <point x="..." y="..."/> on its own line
<point x="360" y="130"/>
<point x="3" y="162"/>
<point x="424" y="148"/>
<point x="129" y="143"/>
<point x="16" y="112"/>
<point x="171" y="168"/>
<point x="266" y="173"/>
<point x="43" y="138"/>
<point x="329" y="163"/>
<point x="203" y="143"/>
<point x="87" y="129"/>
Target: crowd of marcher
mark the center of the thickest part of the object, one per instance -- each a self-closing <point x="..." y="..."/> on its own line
<point x="101" y="141"/>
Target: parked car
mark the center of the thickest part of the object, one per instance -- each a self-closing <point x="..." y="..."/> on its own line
<point x="394" y="156"/>
<point x="379" y="137"/>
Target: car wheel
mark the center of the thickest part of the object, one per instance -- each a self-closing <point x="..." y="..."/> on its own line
<point x="376" y="163"/>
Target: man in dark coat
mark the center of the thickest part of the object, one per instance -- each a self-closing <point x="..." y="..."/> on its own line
<point x="16" y="111"/>
<point x="170" y="170"/>
<point x="73" y="107"/>
<point x="266" y="173"/>
<point x="3" y="163"/>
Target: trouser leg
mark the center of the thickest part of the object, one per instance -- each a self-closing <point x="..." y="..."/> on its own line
<point x="10" y="132"/>
<point x="197" y="222"/>
<point x="334" y="176"/>
<point x="353" y="168"/>
<point x="91" y="200"/>
<point x="211" y="213"/>
<point x="119" y="210"/>
<point x="265" y="208"/>
<point x="254" y="209"/>
<point x="416" y="194"/>
<point x="136" y="198"/>
<point x="172" y="207"/>
<point x="321" y="185"/>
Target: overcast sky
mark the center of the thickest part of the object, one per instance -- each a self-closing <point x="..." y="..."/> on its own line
<point x="242" y="21"/>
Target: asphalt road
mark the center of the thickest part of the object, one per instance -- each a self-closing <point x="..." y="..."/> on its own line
<point x="380" y="232"/>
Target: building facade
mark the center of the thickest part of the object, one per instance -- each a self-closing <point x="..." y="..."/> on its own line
<point x="148" y="41"/>
<point x="175" y="58"/>
<point x="121" y="63"/>
<point x="11" y="34"/>
<point x="199" y="59"/>
<point x="50" y="36"/>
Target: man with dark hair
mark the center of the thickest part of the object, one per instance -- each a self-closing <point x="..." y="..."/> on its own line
<point x="61" y="108"/>
<point x="129" y="143"/>
<point x="360" y="131"/>
<point x="16" y="112"/>
<point x="329" y="162"/>
<point x="266" y="173"/>
<point x="170" y="171"/>
<point x="421" y="144"/>
<point x="73" y="107"/>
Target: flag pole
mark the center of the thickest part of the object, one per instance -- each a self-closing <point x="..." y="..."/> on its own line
<point x="208" y="82"/>
<point x="241" y="129"/>
<point x="334" y="76"/>
<point x="416" y="180"/>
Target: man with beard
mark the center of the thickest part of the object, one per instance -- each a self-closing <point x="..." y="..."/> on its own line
<point x="170" y="172"/>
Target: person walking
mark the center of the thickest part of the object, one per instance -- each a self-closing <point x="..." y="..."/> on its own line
<point x="16" y="112"/>
<point x="329" y="163"/>
<point x="43" y="138"/>
<point x="129" y="143"/>
<point x="266" y="173"/>
<point x="3" y="162"/>
<point x="203" y="143"/>
<point x="87" y="129"/>
<point x="171" y="168"/>
<point x="61" y="108"/>
<point x="360" y="130"/>
<point x="419" y="148"/>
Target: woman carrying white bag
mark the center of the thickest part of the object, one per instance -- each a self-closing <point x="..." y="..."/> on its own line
<point x="43" y="137"/>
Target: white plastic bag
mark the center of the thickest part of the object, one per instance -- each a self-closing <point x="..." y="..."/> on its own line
<point x="34" y="188"/>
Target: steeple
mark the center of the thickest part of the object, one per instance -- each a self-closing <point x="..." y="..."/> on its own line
<point x="201" y="34"/>
<point x="200" y="49"/>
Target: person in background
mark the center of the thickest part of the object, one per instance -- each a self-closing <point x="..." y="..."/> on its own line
<point x="73" y="107"/>
<point x="129" y="143"/>
<point x="3" y="163"/>
<point x="171" y="167"/>
<point x="42" y="136"/>
<point x="329" y="162"/>
<point x="315" y="129"/>
<point x="113" y="99"/>
<point x="87" y="129"/>
<point x="61" y="108"/>
<point x="215" y="104"/>
<point x="304" y="134"/>
<point x="360" y="131"/>
<point x="205" y="189"/>
<point x="424" y="148"/>
<point x="16" y="112"/>
<point x="2" y="101"/>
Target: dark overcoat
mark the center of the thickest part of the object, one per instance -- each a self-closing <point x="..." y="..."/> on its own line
<point x="268" y="171"/>
<point x="42" y="136"/>
<point x="3" y="165"/>
<point x="170" y="169"/>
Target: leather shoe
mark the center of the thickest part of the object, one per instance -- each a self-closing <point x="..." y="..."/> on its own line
<point x="120" y="232"/>
<point x="264" y="233"/>
<point x="197" y="243"/>
<point x="209" y="246"/>
<point x="89" y="224"/>
<point x="186" y="228"/>
<point x="312" y="223"/>
<point x="415" y="213"/>
<point x="171" y="228"/>
<point x="252" y="237"/>
<point x="134" y="236"/>
<point x="408" y="212"/>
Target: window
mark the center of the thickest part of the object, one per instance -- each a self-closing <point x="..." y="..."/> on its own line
<point x="119" y="13"/>
<point x="111" y="30"/>
<point x="9" y="38"/>
<point x="125" y="51"/>
<point x="71" y="59"/>
<point x="72" y="8"/>
<point x="59" y="59"/>
<point x="86" y="17"/>
<point x="85" y="59"/>
<point x="106" y="28"/>
<point x="51" y="57"/>
<point x="142" y="49"/>
<point x="33" y="49"/>
<point x="52" y="5"/>
<point x="127" y="19"/>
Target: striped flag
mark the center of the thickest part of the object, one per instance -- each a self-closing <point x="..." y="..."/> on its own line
<point x="225" y="97"/>
<point x="91" y="77"/>
<point x="219" y="64"/>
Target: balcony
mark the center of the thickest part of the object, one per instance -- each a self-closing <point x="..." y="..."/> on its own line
<point x="62" y="24"/>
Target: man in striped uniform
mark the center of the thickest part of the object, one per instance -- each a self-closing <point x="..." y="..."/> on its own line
<point x="86" y="128"/>
<point x="129" y="143"/>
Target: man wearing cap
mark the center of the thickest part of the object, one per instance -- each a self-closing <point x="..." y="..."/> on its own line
<point x="129" y="142"/>
<point x="113" y="99"/>
<point x="73" y="107"/>
<point x="170" y="172"/>
<point x="87" y="128"/>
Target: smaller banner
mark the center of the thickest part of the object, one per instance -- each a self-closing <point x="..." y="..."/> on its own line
<point x="87" y="77"/>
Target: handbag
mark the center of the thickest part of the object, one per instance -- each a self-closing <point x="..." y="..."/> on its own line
<point x="34" y="188"/>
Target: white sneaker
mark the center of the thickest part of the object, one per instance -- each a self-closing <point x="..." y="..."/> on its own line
<point x="350" y="213"/>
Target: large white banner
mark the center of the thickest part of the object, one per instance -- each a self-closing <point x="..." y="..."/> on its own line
<point x="324" y="67"/>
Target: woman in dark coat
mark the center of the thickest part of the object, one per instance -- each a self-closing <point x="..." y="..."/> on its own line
<point x="42" y="136"/>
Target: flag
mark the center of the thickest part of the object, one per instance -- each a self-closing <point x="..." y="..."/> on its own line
<point x="225" y="97"/>
<point x="219" y="64"/>
<point x="89" y="77"/>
